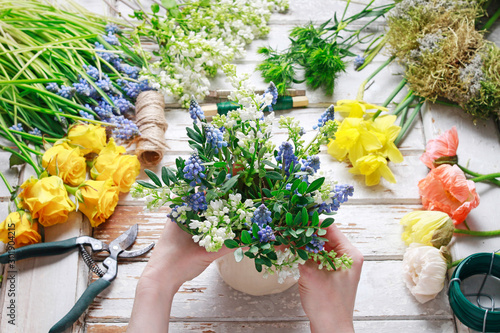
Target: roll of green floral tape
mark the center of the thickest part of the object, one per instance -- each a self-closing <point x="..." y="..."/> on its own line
<point x="283" y="103"/>
<point x="478" y="318"/>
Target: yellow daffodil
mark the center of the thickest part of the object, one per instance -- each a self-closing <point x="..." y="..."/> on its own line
<point x="373" y="166"/>
<point x="355" y="109"/>
<point x="353" y="138"/>
<point x="385" y="130"/>
<point x="431" y="228"/>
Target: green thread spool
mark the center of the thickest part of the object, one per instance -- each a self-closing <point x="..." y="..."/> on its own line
<point x="476" y="317"/>
<point x="283" y="103"/>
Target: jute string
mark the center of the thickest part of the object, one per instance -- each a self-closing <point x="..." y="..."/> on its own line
<point x="150" y="118"/>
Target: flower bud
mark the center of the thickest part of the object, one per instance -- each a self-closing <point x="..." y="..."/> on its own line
<point x="432" y="228"/>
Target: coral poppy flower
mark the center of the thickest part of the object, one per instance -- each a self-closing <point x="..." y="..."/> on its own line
<point x="447" y="190"/>
<point x="444" y="146"/>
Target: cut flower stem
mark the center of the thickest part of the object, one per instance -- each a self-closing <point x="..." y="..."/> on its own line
<point x="478" y="175"/>
<point x="456" y="262"/>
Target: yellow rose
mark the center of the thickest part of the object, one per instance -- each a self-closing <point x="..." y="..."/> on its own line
<point x="47" y="200"/>
<point x="90" y="138"/>
<point x="65" y="162"/>
<point x="19" y="227"/>
<point x="99" y="200"/>
<point x="112" y="164"/>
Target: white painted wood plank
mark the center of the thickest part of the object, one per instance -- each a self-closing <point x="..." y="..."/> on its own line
<point x="369" y="326"/>
<point x="46" y="286"/>
<point x="381" y="293"/>
<point x="11" y="174"/>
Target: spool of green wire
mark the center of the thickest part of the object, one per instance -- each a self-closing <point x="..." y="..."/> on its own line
<point x="478" y="317"/>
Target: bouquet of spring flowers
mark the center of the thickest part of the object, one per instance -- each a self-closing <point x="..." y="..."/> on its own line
<point x="241" y="190"/>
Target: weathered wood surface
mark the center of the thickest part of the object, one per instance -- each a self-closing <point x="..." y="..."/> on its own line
<point x="50" y="286"/>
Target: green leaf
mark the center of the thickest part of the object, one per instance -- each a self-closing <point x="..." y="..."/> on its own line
<point x="245" y="237"/>
<point x="295" y="184"/>
<point x="15" y="160"/>
<point x="147" y="185"/>
<point x="193" y="135"/>
<point x="315" y="185"/>
<point x="153" y="177"/>
<point x="231" y="243"/>
<point x="309" y="232"/>
<point x="267" y="261"/>
<point x="327" y="222"/>
<point x="302" y="188"/>
<point x="169" y="4"/>
<point x="295" y="199"/>
<point x="289" y="219"/>
<point x="155" y="8"/>
<point x="238" y="254"/>
<point x="254" y="249"/>
<point x="255" y="230"/>
<point x="274" y="175"/>
<point x="303" y="254"/>
<point x="164" y="176"/>
<point x="321" y="232"/>
<point x="270" y="164"/>
<point x="258" y="266"/>
<point x="221" y="177"/>
<point x="266" y="246"/>
<point x="220" y="164"/>
<point x="229" y="184"/>
<point x="262" y="152"/>
<point x="267" y="192"/>
<point x="298" y="219"/>
<point x="293" y="233"/>
<point x="272" y="256"/>
<point x="315" y="219"/>
<point x="305" y="216"/>
<point x="171" y="175"/>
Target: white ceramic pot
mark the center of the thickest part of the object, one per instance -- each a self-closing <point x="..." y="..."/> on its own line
<point x="243" y="277"/>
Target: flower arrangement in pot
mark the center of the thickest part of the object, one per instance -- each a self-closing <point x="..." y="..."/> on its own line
<point x="240" y="190"/>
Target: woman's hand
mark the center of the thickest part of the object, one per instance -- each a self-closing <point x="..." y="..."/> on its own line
<point x="328" y="296"/>
<point x="176" y="259"/>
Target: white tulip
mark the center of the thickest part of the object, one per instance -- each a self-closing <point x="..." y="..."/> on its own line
<point x="424" y="271"/>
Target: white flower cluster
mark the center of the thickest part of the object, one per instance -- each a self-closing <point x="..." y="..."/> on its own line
<point x="220" y="217"/>
<point x="325" y="194"/>
<point x="286" y="265"/>
<point x="207" y="38"/>
<point x="156" y="198"/>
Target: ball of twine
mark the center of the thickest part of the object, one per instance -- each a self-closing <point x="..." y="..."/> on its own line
<point x="150" y="118"/>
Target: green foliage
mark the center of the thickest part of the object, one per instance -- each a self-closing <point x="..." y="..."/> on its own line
<point x="320" y="51"/>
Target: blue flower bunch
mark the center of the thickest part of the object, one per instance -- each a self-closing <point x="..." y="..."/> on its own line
<point x="109" y="99"/>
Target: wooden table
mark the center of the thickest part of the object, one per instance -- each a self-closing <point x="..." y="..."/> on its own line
<point x="48" y="287"/>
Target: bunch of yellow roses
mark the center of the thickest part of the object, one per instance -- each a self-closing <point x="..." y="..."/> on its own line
<point x="46" y="198"/>
<point x="365" y="142"/>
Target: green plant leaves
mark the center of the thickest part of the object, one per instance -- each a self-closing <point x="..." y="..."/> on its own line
<point x="231" y="243"/>
<point x="245" y="237"/>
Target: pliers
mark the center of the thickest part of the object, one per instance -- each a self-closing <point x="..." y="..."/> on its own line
<point x="117" y="248"/>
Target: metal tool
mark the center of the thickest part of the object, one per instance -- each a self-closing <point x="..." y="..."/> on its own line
<point x="117" y="248"/>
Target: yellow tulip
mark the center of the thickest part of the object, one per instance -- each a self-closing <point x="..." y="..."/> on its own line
<point x="99" y="200"/>
<point x="353" y="138"/>
<point x="47" y="200"/>
<point x="112" y="164"/>
<point x="65" y="162"/>
<point x="355" y="109"/>
<point x="89" y="138"/>
<point x="431" y="228"/>
<point x="385" y="130"/>
<point x="373" y="166"/>
<point x="19" y="229"/>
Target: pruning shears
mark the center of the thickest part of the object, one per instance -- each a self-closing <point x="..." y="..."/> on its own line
<point x="117" y="248"/>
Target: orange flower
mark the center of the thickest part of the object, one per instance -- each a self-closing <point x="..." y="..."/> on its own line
<point x="444" y="146"/>
<point x="447" y="190"/>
